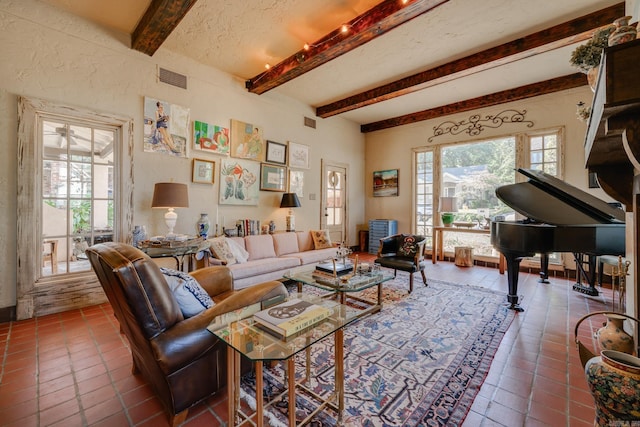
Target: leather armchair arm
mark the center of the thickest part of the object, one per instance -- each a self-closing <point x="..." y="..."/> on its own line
<point x="420" y="251"/>
<point x="187" y="340"/>
<point x="215" y="280"/>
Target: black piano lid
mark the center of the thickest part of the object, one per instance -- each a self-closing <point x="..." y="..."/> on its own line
<point x="547" y="199"/>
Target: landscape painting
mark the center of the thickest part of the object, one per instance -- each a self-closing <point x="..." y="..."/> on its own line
<point x="385" y="183"/>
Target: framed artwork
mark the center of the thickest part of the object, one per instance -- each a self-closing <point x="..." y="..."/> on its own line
<point x="211" y="138"/>
<point x="203" y="171"/>
<point x="298" y="156"/>
<point x="385" y="183"/>
<point x="166" y="127"/>
<point x="273" y="177"/>
<point x="276" y="153"/>
<point x="238" y="182"/>
<point x="246" y="141"/>
<point x="296" y="183"/>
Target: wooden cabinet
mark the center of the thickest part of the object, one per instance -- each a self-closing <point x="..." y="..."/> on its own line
<point x="378" y="229"/>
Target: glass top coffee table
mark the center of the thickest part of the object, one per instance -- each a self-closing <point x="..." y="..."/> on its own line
<point x="244" y="337"/>
<point x="346" y="288"/>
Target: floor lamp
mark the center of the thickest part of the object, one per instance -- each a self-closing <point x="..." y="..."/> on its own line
<point x="290" y="200"/>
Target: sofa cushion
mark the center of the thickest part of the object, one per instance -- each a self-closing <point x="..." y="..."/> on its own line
<point x="305" y="241"/>
<point x="221" y="250"/>
<point x="239" y="252"/>
<point x="310" y="257"/>
<point x="259" y="246"/>
<point x="191" y="298"/>
<point x="321" y="239"/>
<point x="262" y="266"/>
<point x="285" y="243"/>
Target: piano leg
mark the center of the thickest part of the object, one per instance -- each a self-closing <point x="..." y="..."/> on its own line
<point x="589" y="276"/>
<point x="513" y="268"/>
<point x="544" y="268"/>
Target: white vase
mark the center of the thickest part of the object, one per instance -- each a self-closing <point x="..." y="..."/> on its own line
<point x="203" y="225"/>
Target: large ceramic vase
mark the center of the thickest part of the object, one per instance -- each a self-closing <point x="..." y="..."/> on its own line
<point x="612" y="336"/>
<point x="614" y="382"/>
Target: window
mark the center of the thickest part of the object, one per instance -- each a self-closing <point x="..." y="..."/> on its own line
<point x="77" y="192"/>
<point x="465" y="176"/>
<point x="75" y="187"/>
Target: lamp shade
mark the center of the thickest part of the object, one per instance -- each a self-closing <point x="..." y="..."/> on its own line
<point x="448" y="204"/>
<point x="290" y="200"/>
<point x="170" y="195"/>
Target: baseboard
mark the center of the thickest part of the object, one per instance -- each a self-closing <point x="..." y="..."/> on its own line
<point x="7" y="314"/>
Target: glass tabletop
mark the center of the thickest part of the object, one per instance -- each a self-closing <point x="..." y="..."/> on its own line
<point x="354" y="283"/>
<point x="240" y="331"/>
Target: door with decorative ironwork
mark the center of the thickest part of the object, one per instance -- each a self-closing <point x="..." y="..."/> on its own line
<point x="334" y="200"/>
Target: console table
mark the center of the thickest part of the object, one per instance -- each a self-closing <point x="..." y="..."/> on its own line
<point x="438" y="242"/>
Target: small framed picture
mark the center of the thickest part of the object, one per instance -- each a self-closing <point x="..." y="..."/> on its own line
<point x="296" y="183"/>
<point x="273" y="177"/>
<point x="298" y="156"/>
<point x="276" y="153"/>
<point x="203" y="171"/>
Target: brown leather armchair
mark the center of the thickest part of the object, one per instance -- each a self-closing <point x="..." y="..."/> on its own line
<point x="403" y="252"/>
<point x="182" y="361"/>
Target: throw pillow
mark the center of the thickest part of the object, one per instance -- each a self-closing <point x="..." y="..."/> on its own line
<point x="221" y="250"/>
<point x="191" y="297"/>
<point x="321" y="239"/>
<point x="408" y="247"/>
<point x="240" y="254"/>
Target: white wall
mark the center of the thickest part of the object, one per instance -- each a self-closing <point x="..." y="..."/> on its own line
<point x="392" y="148"/>
<point x="51" y="55"/>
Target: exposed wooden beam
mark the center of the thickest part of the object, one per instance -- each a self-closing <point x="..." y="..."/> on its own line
<point x="373" y="23"/>
<point x="159" y="20"/>
<point x="546" y="40"/>
<point x="523" y="92"/>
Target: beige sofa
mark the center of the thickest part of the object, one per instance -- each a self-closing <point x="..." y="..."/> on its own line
<point x="273" y="255"/>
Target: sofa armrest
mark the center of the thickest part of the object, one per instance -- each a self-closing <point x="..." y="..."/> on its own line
<point x="215" y="280"/>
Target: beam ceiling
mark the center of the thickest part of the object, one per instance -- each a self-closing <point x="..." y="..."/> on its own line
<point x="555" y="37"/>
<point x="373" y="23"/>
<point x="159" y="20"/>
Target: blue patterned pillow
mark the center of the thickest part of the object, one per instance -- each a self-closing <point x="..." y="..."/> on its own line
<point x="191" y="298"/>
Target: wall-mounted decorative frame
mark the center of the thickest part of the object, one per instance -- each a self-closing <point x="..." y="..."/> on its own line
<point x="210" y="138"/>
<point x="296" y="183"/>
<point x="276" y="153"/>
<point x="273" y="177"/>
<point x="203" y="171"/>
<point x="166" y="127"/>
<point x="247" y="141"/>
<point x="238" y="182"/>
<point x="298" y="156"/>
<point x="385" y="183"/>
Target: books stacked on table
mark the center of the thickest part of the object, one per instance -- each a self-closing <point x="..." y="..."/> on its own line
<point x="340" y="268"/>
<point x="291" y="317"/>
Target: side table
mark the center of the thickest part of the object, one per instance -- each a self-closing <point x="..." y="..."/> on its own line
<point x="176" y="250"/>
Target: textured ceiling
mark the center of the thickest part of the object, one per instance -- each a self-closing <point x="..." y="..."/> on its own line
<point x="239" y="37"/>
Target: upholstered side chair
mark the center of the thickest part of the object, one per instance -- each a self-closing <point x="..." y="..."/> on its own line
<point x="180" y="359"/>
<point x="404" y="252"/>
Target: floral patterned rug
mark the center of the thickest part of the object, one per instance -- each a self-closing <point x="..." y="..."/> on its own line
<point x="420" y="361"/>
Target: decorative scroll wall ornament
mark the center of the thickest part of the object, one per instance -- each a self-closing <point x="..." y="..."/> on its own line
<point x="475" y="125"/>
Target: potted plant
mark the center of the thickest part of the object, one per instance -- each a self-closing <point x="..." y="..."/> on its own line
<point x="587" y="57"/>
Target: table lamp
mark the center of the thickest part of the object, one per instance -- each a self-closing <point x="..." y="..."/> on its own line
<point x="170" y="195"/>
<point x="447" y="206"/>
<point x="290" y="200"/>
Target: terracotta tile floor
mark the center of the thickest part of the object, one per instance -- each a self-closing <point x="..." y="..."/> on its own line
<point x="73" y="368"/>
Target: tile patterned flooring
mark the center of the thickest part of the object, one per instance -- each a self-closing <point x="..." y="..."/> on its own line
<point x="74" y="368"/>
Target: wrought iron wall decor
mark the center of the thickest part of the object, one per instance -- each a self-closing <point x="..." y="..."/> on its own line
<point x="475" y="124"/>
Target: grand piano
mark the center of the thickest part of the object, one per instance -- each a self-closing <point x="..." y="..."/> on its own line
<point x="559" y="218"/>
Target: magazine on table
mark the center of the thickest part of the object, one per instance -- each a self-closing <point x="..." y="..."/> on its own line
<point x="291" y="316"/>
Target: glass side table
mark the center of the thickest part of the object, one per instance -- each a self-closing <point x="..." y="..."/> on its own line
<point x="179" y="251"/>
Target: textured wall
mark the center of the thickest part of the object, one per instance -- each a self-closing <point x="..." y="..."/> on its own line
<point x="51" y="55"/>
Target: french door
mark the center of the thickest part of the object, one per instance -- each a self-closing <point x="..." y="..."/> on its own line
<point x="334" y="200"/>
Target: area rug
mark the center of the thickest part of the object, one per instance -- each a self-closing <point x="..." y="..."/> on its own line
<point x="420" y="361"/>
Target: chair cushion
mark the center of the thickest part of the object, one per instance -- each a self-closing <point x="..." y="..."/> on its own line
<point x="191" y="298"/>
<point x="408" y="246"/>
<point x="399" y="263"/>
<point x="321" y="239"/>
<point x="221" y="250"/>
